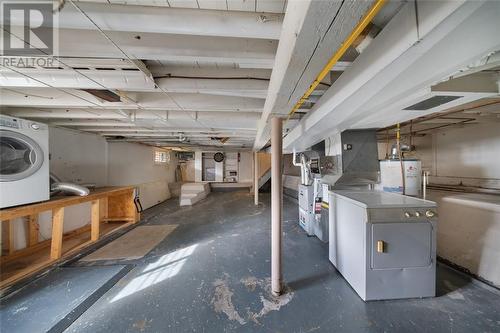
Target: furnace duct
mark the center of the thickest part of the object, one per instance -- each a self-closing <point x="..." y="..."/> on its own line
<point x="70" y="188"/>
<point x="305" y="168"/>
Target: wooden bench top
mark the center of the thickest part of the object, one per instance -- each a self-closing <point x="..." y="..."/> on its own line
<point x="62" y="201"/>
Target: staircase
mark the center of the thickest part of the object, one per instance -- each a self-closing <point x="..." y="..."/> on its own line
<point x="264" y="178"/>
<point x="191" y="193"/>
<point x="264" y="169"/>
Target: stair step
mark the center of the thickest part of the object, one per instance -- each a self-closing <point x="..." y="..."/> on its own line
<point x="191" y="193"/>
<point x="195" y="186"/>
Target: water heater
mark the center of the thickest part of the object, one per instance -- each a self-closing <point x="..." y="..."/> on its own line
<point x="392" y="181"/>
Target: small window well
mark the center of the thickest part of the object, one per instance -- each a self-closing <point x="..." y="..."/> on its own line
<point x="161" y="157"/>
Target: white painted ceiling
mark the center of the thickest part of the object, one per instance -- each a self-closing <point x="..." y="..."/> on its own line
<point x="194" y="72"/>
<point x="198" y="70"/>
<point x="265" y="6"/>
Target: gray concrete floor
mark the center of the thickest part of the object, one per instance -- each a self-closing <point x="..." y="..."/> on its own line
<point x="212" y="275"/>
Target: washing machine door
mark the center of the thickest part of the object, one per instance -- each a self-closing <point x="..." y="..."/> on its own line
<point x="20" y="156"/>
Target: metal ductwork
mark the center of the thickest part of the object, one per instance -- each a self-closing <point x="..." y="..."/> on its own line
<point x="70" y="188"/>
<point x="306" y="177"/>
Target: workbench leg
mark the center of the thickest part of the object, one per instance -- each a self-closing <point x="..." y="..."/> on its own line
<point x="7" y="237"/>
<point x="57" y="233"/>
<point x="132" y="210"/>
<point x="33" y="228"/>
<point x="95" y="220"/>
<point x="103" y="207"/>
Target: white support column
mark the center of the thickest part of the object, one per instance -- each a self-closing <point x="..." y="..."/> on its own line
<point x="276" y="203"/>
<point x="256" y="178"/>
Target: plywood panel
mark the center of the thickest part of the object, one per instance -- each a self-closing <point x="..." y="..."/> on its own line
<point x="134" y="244"/>
<point x="121" y="206"/>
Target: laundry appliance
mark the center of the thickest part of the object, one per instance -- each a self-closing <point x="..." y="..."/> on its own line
<point x="24" y="161"/>
<point x="306" y="208"/>
<point x="384" y="244"/>
<point x="321" y="223"/>
<point x="352" y="163"/>
<point x="307" y="191"/>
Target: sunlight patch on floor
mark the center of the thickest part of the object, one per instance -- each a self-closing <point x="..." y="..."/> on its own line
<point x="165" y="267"/>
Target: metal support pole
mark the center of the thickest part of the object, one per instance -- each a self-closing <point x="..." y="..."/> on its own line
<point x="256" y="178"/>
<point x="276" y="203"/>
<point x="425" y="182"/>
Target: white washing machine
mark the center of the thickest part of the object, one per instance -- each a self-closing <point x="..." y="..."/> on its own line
<point x="24" y="162"/>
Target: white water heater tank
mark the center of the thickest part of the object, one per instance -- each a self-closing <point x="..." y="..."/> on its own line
<point x="391" y="180"/>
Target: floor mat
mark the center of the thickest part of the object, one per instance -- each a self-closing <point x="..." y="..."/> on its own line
<point x="134" y="244"/>
<point x="54" y="299"/>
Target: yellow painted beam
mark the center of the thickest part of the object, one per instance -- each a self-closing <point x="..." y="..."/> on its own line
<point x="340" y="52"/>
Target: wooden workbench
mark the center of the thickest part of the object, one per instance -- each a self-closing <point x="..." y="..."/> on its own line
<point x="112" y="208"/>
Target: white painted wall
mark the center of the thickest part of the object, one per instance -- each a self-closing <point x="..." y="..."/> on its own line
<point x="78" y="157"/>
<point x="245" y="167"/>
<point x="219" y="171"/>
<point x="469" y="152"/>
<point x="291" y="174"/>
<point x="291" y="182"/>
<point x="467" y="155"/>
<point x="469" y="230"/>
<point x="133" y="164"/>
<point x="198" y="166"/>
<point x="190" y="171"/>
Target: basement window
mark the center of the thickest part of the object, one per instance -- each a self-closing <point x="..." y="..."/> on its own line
<point x="161" y="157"/>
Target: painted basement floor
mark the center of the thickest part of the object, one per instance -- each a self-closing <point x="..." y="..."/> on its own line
<point x="212" y="275"/>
